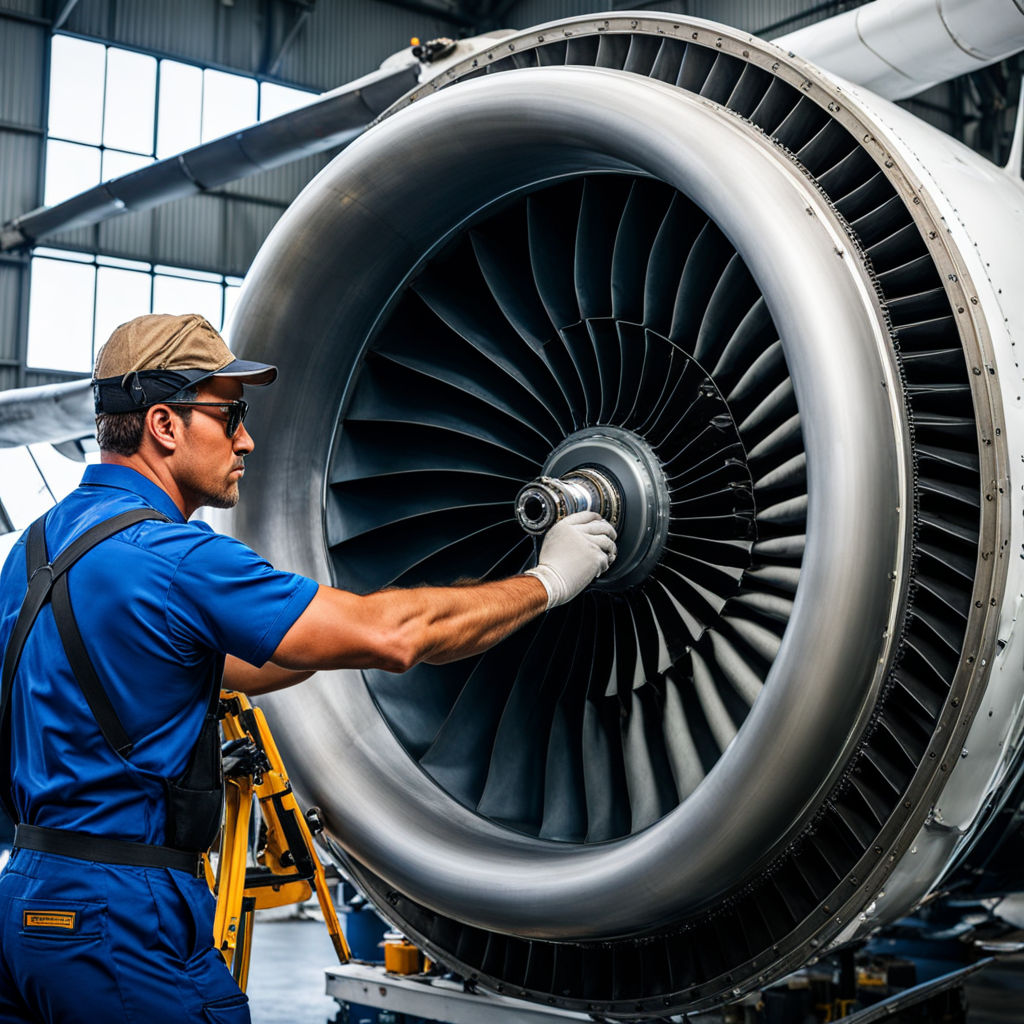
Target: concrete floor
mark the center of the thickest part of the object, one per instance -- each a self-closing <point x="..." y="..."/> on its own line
<point x="286" y="974"/>
<point x="286" y="979"/>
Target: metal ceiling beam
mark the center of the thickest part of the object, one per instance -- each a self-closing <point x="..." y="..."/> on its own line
<point x="458" y="13"/>
<point x="6" y="14"/>
<point x="63" y="12"/>
<point x="301" y="10"/>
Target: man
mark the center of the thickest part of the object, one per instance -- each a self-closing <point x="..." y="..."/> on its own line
<point x="112" y="667"/>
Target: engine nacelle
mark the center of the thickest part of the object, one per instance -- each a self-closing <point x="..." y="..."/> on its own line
<point x="789" y="309"/>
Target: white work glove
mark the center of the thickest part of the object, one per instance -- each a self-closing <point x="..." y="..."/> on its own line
<point x="576" y="550"/>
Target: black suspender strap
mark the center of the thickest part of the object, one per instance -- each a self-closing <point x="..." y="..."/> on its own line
<point x="40" y="580"/>
<point x="194" y="800"/>
<point x="46" y="579"/>
<point x="78" y="658"/>
<point x="35" y="597"/>
<point x="35" y="547"/>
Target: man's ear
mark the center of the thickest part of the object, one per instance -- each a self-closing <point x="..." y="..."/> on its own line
<point x="163" y="427"/>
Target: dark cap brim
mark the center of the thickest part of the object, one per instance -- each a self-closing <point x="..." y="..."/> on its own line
<point x="250" y="373"/>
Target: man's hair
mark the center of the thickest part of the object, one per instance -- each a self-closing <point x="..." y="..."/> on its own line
<point x="121" y="432"/>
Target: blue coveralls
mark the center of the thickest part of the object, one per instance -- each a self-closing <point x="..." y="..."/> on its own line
<point x="158" y="605"/>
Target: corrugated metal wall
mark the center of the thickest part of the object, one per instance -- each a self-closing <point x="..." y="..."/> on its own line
<point x="34" y="8"/>
<point x="340" y="40"/>
<point x="23" y="76"/>
<point x="355" y="34"/>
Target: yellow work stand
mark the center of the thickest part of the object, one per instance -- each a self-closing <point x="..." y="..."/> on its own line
<point x="277" y="865"/>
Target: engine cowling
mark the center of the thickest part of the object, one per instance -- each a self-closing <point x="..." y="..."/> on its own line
<point x="781" y="309"/>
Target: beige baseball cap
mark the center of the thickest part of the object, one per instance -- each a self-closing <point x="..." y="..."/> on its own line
<point x="153" y="357"/>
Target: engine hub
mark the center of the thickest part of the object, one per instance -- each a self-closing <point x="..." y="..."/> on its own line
<point x="617" y="473"/>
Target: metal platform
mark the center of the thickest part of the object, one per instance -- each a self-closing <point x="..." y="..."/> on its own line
<point x="435" y="998"/>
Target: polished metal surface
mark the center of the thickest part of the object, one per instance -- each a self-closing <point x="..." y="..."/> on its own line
<point x="894" y="48"/>
<point x="781" y="316"/>
<point x="540" y="504"/>
<point x="607" y="247"/>
<point x="436" y="999"/>
<point x="639" y="499"/>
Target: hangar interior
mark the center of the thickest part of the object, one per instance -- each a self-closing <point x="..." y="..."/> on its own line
<point x="93" y="90"/>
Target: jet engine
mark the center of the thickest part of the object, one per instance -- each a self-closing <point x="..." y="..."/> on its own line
<point x="775" y="318"/>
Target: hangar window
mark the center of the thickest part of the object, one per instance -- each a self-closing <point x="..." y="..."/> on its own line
<point x="32" y="479"/>
<point x="114" y="110"/>
<point x="77" y="299"/>
<point x="102" y="115"/>
<point x="111" y="112"/>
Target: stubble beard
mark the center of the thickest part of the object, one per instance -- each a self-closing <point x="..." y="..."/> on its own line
<point x="224" y="496"/>
<point x="227" y="498"/>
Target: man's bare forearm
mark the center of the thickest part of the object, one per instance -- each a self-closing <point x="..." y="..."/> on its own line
<point x="456" y="622"/>
<point x="396" y="629"/>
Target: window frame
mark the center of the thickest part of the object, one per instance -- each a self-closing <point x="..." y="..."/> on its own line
<point x="160" y="59"/>
<point x="98" y="261"/>
<point x="150" y="266"/>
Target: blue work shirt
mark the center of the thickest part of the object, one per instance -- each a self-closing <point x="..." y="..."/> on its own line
<point x="158" y="605"/>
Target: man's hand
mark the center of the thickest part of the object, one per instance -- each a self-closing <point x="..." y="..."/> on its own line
<point x="575" y="552"/>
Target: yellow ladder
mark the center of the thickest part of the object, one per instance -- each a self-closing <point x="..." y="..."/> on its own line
<point x="287" y="869"/>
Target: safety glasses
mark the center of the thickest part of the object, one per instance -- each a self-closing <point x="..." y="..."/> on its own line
<point x="236" y="412"/>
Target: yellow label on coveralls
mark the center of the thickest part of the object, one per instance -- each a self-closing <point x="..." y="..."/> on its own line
<point x="49" y="919"/>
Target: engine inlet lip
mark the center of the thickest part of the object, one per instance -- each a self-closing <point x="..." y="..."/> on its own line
<point x="648" y="115"/>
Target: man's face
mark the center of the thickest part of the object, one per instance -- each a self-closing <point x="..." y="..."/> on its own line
<point x="211" y="463"/>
